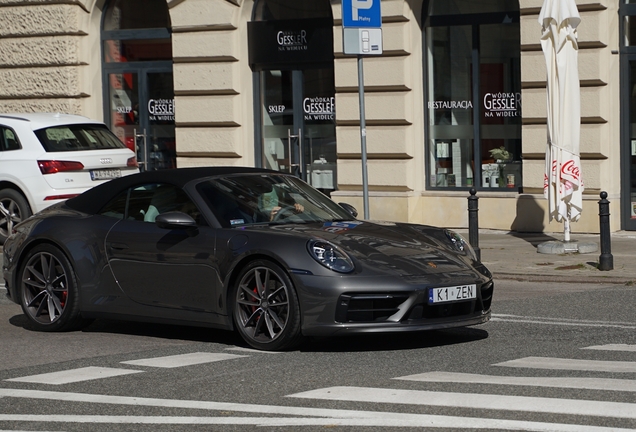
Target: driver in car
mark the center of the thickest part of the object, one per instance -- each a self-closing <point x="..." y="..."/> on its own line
<point x="272" y="202"/>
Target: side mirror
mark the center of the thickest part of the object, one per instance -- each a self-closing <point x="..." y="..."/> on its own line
<point x="176" y="220"/>
<point x="349" y="208"/>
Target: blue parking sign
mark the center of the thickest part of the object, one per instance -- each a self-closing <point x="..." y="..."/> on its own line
<point x="361" y="13"/>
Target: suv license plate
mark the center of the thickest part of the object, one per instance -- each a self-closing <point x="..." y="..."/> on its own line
<point x="105" y="174"/>
<point x="451" y="294"/>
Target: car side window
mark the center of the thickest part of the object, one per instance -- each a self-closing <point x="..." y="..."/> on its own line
<point x="144" y="203"/>
<point x="8" y="140"/>
<point x="116" y="207"/>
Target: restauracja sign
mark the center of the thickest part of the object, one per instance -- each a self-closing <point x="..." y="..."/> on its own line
<point x="495" y="104"/>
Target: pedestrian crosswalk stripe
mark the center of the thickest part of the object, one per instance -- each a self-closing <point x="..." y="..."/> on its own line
<point x="74" y="375"/>
<point x="252" y="350"/>
<point x="404" y="420"/>
<point x="613" y="347"/>
<point x="571" y="364"/>
<point x="561" y="321"/>
<point x="574" y="383"/>
<point x="181" y="360"/>
<point x="474" y="401"/>
<point x="331" y="416"/>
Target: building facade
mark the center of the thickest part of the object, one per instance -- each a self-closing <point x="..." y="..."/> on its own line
<point x="456" y="100"/>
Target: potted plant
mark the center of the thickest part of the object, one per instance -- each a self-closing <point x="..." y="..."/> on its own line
<point x="501" y="156"/>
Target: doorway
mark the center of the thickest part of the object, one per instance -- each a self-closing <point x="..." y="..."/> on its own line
<point x="291" y="54"/>
<point x="138" y="80"/>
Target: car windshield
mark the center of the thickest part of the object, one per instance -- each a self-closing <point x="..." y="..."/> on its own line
<point x="77" y="137"/>
<point x="241" y="200"/>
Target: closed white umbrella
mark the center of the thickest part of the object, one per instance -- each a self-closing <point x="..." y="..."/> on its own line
<point x="563" y="184"/>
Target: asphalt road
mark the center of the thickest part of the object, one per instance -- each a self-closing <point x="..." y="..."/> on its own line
<point x="553" y="358"/>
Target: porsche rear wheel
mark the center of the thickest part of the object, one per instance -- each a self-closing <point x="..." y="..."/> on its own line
<point x="49" y="290"/>
<point x="266" y="310"/>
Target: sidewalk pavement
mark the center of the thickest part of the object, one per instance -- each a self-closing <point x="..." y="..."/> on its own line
<point x="511" y="255"/>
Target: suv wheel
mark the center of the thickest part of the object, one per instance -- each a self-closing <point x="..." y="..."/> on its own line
<point x="14" y="208"/>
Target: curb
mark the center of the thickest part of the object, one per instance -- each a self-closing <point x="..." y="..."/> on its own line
<point x="618" y="280"/>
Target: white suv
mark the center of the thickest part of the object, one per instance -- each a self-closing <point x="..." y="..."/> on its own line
<point x="46" y="158"/>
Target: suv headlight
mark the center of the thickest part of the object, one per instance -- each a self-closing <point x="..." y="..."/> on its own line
<point x="460" y="244"/>
<point x="330" y="255"/>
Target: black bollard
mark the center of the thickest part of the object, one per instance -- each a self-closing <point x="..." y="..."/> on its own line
<point x="606" y="260"/>
<point x="473" y="222"/>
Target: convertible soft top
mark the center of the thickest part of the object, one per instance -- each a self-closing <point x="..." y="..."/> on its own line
<point x="93" y="200"/>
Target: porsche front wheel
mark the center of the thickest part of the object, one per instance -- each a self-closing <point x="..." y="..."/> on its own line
<point x="49" y="291"/>
<point x="266" y="310"/>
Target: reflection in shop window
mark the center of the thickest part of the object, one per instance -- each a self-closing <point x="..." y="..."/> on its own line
<point x="121" y="51"/>
<point x="124" y="107"/>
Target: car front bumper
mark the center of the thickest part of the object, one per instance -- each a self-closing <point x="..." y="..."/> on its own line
<point x="345" y="305"/>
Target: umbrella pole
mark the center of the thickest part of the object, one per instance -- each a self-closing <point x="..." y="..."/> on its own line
<point x="566" y="229"/>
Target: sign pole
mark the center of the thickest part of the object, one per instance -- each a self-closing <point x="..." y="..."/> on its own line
<point x="363" y="139"/>
<point x="362" y="35"/>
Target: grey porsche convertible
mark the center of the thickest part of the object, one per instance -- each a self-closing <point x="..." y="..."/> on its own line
<point x="244" y="249"/>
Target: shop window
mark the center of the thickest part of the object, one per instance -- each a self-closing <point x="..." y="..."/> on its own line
<point x="627" y="13"/>
<point x="473" y="94"/>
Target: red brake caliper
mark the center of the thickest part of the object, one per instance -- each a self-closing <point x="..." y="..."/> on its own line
<point x="255" y="291"/>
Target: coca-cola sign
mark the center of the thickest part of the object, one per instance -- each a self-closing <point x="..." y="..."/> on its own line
<point x="570" y="169"/>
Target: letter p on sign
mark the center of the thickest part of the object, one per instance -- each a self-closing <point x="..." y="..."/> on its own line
<point x="357" y="5"/>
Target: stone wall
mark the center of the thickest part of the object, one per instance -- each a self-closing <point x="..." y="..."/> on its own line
<point x="40" y="56"/>
<point x="213" y="83"/>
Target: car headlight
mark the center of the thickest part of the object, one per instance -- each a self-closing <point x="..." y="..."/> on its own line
<point x="330" y="255"/>
<point x="461" y="244"/>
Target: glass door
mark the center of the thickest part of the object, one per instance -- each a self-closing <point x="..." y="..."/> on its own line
<point x="160" y="148"/>
<point x="298" y="124"/>
<point x="142" y="115"/>
<point x="137" y="79"/>
<point x="282" y="126"/>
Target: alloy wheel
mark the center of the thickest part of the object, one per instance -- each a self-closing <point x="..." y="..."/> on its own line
<point x="262" y="300"/>
<point x="10" y="215"/>
<point x="44" y="288"/>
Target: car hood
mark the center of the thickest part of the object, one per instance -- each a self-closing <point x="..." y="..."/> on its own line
<point x="400" y="249"/>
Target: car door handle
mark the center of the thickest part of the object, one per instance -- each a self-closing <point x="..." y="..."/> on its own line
<point x="118" y="246"/>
